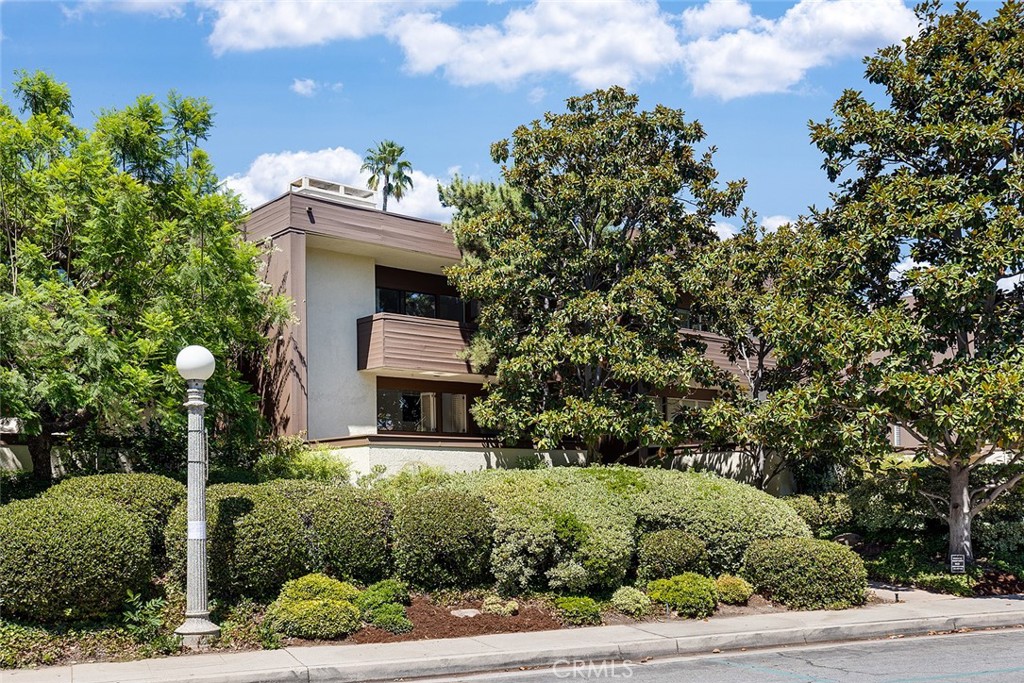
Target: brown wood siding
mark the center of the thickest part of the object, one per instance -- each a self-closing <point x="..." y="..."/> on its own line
<point x="717" y="354"/>
<point x="332" y="219"/>
<point x="405" y="342"/>
<point x="413" y="281"/>
<point x="268" y="220"/>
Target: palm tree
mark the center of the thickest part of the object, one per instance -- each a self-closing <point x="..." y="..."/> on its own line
<point x="388" y="170"/>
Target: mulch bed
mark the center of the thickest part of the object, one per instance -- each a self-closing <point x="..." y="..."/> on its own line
<point x="431" y="620"/>
<point x="998" y="582"/>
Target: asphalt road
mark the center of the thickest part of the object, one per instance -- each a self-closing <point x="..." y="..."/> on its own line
<point x="981" y="657"/>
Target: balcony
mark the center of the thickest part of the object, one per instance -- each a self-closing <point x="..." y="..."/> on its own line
<point x="391" y="343"/>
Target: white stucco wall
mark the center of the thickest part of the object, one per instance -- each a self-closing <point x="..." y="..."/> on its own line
<point x="395" y="458"/>
<point x="735" y="465"/>
<point x="339" y="291"/>
<point x="14" y="458"/>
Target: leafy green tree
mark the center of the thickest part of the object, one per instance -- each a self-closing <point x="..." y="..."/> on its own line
<point x="388" y="170"/>
<point x="119" y="249"/>
<point x="774" y="415"/>
<point x="906" y="294"/>
<point x="577" y="262"/>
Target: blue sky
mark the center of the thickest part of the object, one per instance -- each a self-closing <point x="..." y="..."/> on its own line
<point x="303" y="88"/>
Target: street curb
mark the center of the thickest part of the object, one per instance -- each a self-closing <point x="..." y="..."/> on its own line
<point x="505" y="659"/>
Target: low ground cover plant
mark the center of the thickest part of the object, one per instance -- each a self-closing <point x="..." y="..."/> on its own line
<point x="689" y="594"/>
<point x="578" y="611"/>
<point x="631" y="601"/>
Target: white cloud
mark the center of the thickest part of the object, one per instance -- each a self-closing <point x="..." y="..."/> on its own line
<point x="161" y="8"/>
<point x="715" y="16"/>
<point x="770" y="56"/>
<point x="536" y="95"/>
<point x="595" y="43"/>
<point x="245" y="26"/>
<point x="773" y="223"/>
<point x="304" y="86"/>
<point x="269" y="175"/>
<point x="725" y="230"/>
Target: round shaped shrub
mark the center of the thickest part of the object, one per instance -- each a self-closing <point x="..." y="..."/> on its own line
<point x="727" y="515"/>
<point x="318" y="587"/>
<point x="255" y="541"/>
<point x="732" y="590"/>
<point x="313" y="619"/>
<point x="805" y="573"/>
<point x="151" y="497"/>
<point x="64" y="558"/>
<point x="631" y="601"/>
<point x="689" y="594"/>
<point x="392" y="617"/>
<point x="808" y="508"/>
<point x="386" y="592"/>
<point x="578" y="611"/>
<point x="350" y="530"/>
<point x="670" y="552"/>
<point x="443" y="539"/>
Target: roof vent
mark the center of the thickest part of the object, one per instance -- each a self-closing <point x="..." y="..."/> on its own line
<point x="325" y="189"/>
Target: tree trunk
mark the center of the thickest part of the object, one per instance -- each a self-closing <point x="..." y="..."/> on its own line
<point x="960" y="513"/>
<point x="40" y="447"/>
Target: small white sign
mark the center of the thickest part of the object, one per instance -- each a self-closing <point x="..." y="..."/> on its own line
<point x="957" y="564"/>
<point x="197" y="531"/>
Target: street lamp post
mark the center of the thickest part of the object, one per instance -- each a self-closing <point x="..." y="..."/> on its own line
<point x="196" y="364"/>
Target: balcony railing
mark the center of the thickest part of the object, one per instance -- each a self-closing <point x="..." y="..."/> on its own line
<point x="390" y="341"/>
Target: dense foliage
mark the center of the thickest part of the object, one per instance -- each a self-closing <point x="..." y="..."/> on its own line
<point x="118" y="248"/>
<point x="578" y="266"/>
<point x="443" y="540"/>
<point x="690" y="595"/>
<point x="805" y="573"/>
<point x="348" y="533"/>
<point x="670" y="552"/>
<point x="578" y="611"/>
<point x="65" y="559"/>
<point x="733" y="590"/>
<point x="150" y="497"/>
<point x="255" y="541"/>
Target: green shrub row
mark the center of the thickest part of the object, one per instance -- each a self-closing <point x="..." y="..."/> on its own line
<point x="805" y="573"/>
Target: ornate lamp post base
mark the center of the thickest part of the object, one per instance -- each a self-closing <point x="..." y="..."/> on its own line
<point x="197" y="631"/>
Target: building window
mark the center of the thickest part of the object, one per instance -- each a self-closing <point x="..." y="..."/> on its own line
<point x="897" y="436"/>
<point x="675" y="406"/>
<point x="453" y="413"/>
<point x="406" y="411"/>
<point x="400" y="410"/>
<point x="690" y="321"/>
<point x="420" y="304"/>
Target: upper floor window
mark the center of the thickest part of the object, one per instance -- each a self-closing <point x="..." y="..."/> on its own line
<point x="420" y="304"/>
<point x="690" y="321"/>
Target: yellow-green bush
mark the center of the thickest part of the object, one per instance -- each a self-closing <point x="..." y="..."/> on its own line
<point x="150" y="497"/>
<point x="313" y="619"/>
<point x="732" y="590"/>
<point x="805" y="573"/>
<point x="631" y="601"/>
<point x="65" y="558"/>
<point x="442" y="539"/>
<point x="318" y="587"/>
<point x="670" y="552"/>
<point x="578" y="611"/>
<point x="255" y="541"/>
<point x="689" y="594"/>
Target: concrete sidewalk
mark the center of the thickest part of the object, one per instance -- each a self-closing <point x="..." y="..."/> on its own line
<point x="916" y="613"/>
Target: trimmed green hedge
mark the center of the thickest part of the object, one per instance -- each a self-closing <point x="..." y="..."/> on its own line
<point x="631" y="601"/>
<point x="66" y="558"/>
<point x="805" y="573"/>
<point x="255" y="541"/>
<point x="670" y="552"/>
<point x="689" y="594"/>
<point x="578" y="611"/>
<point x="727" y="515"/>
<point x="151" y="497"/>
<point x="443" y="539"/>
<point x="555" y="529"/>
<point x="318" y="587"/>
<point x="732" y="590"/>
<point x="313" y="619"/>
<point x="349" y="533"/>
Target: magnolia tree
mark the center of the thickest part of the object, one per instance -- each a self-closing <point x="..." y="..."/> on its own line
<point x="906" y="294"/>
<point x="579" y="263"/>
